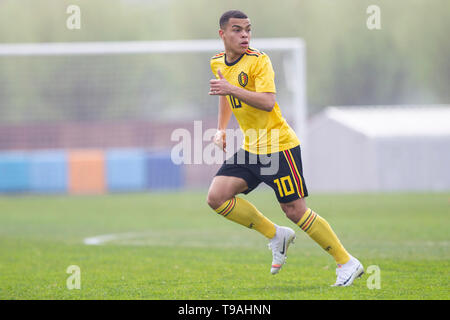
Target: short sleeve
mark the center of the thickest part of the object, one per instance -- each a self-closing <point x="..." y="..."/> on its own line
<point x="213" y="69"/>
<point x="215" y="65"/>
<point x="264" y="75"/>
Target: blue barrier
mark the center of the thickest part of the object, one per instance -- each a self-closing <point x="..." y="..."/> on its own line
<point x="14" y="172"/>
<point x="48" y="172"/>
<point x="163" y="174"/>
<point x="126" y="170"/>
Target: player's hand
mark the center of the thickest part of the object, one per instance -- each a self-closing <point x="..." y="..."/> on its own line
<point x="220" y="140"/>
<point x="219" y="87"/>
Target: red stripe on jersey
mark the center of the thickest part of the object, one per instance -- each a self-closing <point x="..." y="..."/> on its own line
<point x="253" y="52"/>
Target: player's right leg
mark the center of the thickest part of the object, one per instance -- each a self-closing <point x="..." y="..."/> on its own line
<point x="224" y="188"/>
<point x="222" y="198"/>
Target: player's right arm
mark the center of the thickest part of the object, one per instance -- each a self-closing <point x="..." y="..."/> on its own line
<point x="224" y="115"/>
<point x="223" y="118"/>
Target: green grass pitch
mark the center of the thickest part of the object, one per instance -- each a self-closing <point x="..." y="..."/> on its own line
<point x="172" y="246"/>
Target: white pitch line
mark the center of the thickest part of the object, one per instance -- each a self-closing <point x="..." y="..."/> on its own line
<point x="102" y="239"/>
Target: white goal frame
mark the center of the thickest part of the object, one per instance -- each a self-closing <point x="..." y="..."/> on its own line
<point x="295" y="47"/>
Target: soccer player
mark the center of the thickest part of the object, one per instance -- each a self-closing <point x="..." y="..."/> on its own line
<point x="245" y="86"/>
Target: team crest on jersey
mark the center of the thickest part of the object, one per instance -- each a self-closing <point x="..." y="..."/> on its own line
<point x="243" y="79"/>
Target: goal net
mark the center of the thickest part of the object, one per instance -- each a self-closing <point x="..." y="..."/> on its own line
<point x="107" y="95"/>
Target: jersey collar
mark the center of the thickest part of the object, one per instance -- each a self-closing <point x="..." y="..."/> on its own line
<point x="234" y="62"/>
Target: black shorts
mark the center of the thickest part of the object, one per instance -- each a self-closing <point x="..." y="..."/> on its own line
<point x="282" y="171"/>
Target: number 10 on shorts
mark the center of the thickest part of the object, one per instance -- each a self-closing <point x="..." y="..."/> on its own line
<point x="283" y="189"/>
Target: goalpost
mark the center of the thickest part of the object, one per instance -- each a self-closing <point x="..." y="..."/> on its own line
<point x="49" y="84"/>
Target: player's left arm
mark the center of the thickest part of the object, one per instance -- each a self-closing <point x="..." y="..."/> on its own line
<point x="260" y="100"/>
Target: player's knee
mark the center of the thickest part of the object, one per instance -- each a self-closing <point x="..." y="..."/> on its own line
<point x="289" y="210"/>
<point x="293" y="211"/>
<point x="214" y="200"/>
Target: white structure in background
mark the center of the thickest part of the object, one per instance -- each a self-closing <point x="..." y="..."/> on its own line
<point x="379" y="149"/>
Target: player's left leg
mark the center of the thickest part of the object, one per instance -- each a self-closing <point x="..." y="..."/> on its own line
<point x="290" y="188"/>
<point x="317" y="228"/>
<point x="349" y="268"/>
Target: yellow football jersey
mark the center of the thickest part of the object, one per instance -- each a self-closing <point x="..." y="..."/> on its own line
<point x="264" y="132"/>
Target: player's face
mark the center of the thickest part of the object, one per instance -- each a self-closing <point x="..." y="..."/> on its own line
<point x="237" y="34"/>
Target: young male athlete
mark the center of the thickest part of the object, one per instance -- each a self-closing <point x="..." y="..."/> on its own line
<point x="245" y="86"/>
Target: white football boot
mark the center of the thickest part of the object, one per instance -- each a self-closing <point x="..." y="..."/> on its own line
<point x="347" y="273"/>
<point x="279" y="244"/>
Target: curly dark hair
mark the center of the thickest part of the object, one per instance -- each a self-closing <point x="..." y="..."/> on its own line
<point x="231" y="14"/>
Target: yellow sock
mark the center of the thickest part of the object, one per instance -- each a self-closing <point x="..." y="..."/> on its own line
<point x="320" y="231"/>
<point x="243" y="212"/>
